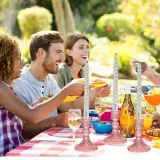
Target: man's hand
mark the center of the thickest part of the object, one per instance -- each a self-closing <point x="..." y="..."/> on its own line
<point x="153" y="76"/>
<point x="75" y="88"/>
<point x="103" y="91"/>
<point x="145" y="68"/>
<point x="98" y="92"/>
<point x="61" y="120"/>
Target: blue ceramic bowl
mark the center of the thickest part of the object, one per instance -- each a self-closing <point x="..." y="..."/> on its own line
<point x="101" y="128"/>
<point x="92" y="113"/>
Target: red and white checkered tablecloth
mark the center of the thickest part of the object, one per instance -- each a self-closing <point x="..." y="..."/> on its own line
<point x="57" y="142"/>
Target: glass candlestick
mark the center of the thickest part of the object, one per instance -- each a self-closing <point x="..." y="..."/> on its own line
<point x="115" y="137"/>
<point x="138" y="145"/>
<point x="86" y="145"/>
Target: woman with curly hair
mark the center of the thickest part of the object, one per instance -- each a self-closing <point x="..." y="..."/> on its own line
<point x="11" y="107"/>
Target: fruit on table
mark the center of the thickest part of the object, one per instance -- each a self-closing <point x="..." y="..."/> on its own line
<point x="102" y="122"/>
<point x="155" y="127"/>
<point x="156" y="143"/>
<point x="154" y="91"/>
<point x="149" y="109"/>
<point x="155" y="132"/>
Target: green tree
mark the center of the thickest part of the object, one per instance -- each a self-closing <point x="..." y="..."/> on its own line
<point x="8" y="14"/>
<point x="64" y="17"/>
<point x="145" y="16"/>
<point x="34" y="19"/>
<point x="87" y="12"/>
<point x="145" y="21"/>
<point x="48" y="5"/>
<point x="114" y="26"/>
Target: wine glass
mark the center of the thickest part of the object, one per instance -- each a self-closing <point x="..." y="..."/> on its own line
<point x="149" y="109"/>
<point x="100" y="105"/>
<point x="74" y="120"/>
<point x="150" y="103"/>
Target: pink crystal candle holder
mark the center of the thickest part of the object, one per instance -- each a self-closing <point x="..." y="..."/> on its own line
<point x="115" y="137"/>
<point x="86" y="145"/>
<point x="138" y="145"/>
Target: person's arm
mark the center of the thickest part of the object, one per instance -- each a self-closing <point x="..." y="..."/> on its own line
<point x="31" y="130"/>
<point x="153" y="76"/>
<point x="19" y="108"/>
<point x="79" y="103"/>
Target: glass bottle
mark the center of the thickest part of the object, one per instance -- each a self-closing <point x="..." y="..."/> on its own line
<point x="127" y="114"/>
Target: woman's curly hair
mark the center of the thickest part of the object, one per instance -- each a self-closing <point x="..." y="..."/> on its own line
<point x="8" y="51"/>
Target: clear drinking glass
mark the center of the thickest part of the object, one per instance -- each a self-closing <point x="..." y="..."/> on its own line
<point x="74" y="120"/>
<point x="149" y="109"/>
<point x="100" y="105"/>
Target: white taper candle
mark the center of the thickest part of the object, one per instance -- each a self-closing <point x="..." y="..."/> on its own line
<point x="139" y="92"/>
<point x="86" y="92"/>
<point x="115" y="83"/>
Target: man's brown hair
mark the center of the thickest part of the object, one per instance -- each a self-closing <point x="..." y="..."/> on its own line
<point x="69" y="43"/>
<point x="43" y="40"/>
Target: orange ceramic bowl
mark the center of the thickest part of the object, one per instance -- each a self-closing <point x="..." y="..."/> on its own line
<point x="152" y="99"/>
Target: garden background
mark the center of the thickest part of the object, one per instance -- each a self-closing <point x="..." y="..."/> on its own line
<point x="130" y="28"/>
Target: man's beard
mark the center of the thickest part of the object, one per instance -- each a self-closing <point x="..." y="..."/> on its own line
<point x="47" y="69"/>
